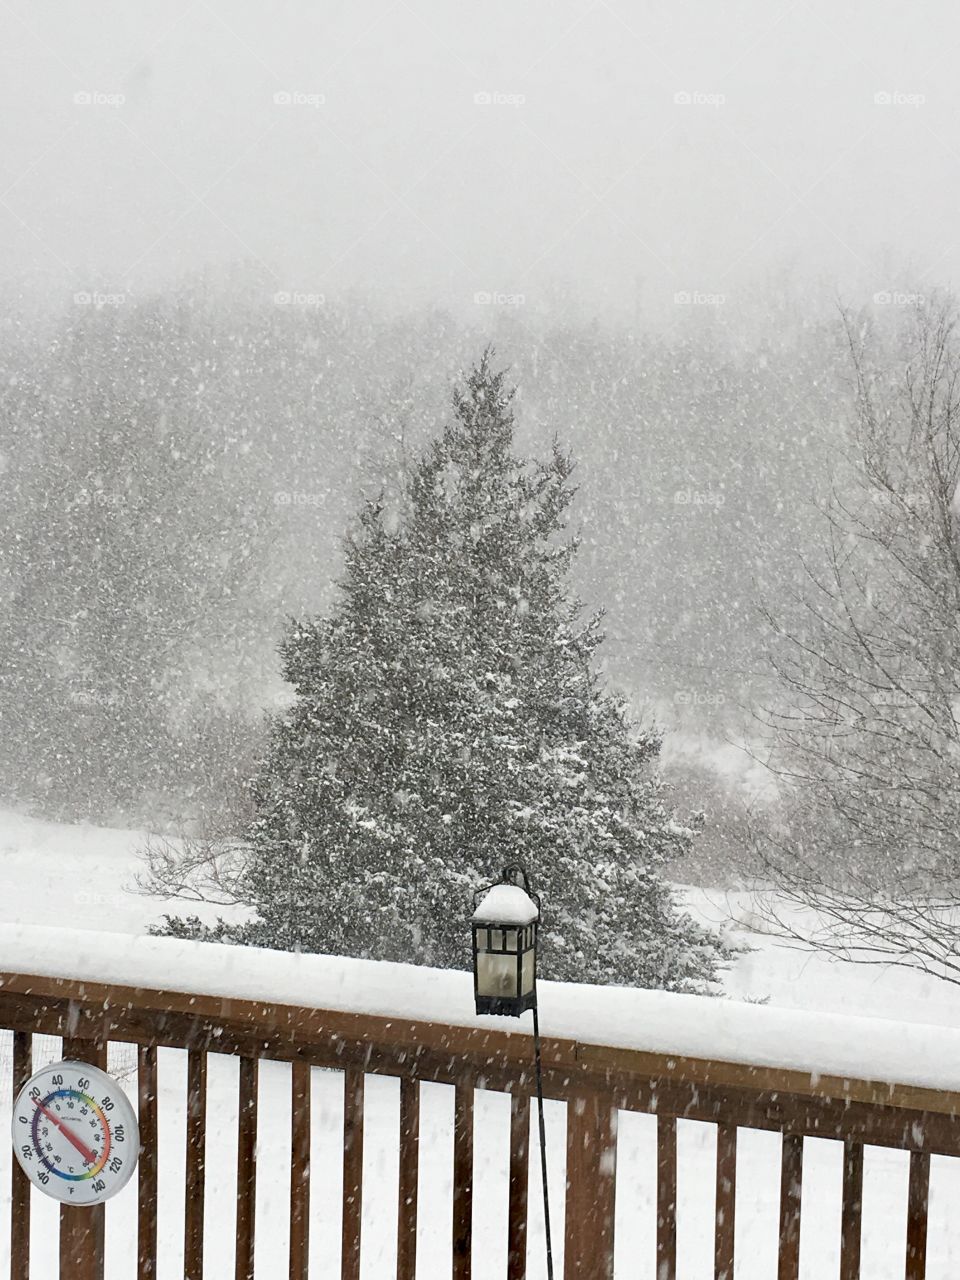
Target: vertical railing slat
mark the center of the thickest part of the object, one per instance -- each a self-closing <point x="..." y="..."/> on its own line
<point x="791" y="1192"/>
<point x="352" y="1173"/>
<point x="726" y="1206"/>
<point x="196" y="1164"/>
<point x="246" y="1168"/>
<point x="851" y="1211"/>
<point x="408" y="1188"/>
<point x="82" y="1226"/>
<point x="519" y="1181"/>
<point x="591" y="1188"/>
<point x="300" y="1172"/>
<point x="20" y="1190"/>
<point x="666" y="1198"/>
<point x="463" y="1182"/>
<point x="147" y="1168"/>
<point x="918" y="1198"/>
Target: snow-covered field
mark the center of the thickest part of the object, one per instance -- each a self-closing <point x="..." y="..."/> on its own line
<point x="82" y="877"/>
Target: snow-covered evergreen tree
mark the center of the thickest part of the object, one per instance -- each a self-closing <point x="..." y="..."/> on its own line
<point x="448" y="721"/>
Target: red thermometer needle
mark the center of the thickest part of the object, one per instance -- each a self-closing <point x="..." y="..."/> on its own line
<point x="90" y="1157"/>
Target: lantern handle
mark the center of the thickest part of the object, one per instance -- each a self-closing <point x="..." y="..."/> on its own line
<point x="514" y="869"/>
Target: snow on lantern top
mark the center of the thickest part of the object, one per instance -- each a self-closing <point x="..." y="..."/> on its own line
<point x="506" y="904"/>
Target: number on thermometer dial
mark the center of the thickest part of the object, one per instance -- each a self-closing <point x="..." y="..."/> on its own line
<point x="75" y="1133"/>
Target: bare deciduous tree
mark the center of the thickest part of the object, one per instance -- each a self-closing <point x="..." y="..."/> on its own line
<point x="867" y="742"/>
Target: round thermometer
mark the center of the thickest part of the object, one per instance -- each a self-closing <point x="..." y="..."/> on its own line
<point x="75" y="1133"/>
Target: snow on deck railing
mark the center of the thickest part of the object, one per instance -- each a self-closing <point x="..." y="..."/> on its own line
<point x="709" y="1028"/>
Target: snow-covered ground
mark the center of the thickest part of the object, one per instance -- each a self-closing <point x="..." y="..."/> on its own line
<point x="82" y="878"/>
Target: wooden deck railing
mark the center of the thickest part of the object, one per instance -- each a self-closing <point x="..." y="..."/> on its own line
<point x="596" y="1083"/>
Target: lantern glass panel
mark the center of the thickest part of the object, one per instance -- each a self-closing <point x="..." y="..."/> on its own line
<point x="496" y="975"/>
<point x="496" y="939"/>
<point x="527" y="973"/>
<point x="510" y="938"/>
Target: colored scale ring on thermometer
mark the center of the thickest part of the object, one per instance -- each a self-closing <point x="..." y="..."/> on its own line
<point x="42" y="1108"/>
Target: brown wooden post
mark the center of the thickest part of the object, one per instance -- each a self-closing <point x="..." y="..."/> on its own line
<point x="352" y="1173"/>
<point x="851" y="1212"/>
<point x="591" y="1188"/>
<point x="463" y="1182"/>
<point x="300" y="1172"/>
<point x="409" y="1179"/>
<point x="666" y="1198"/>
<point x="20" y="1190"/>
<point x="726" y="1202"/>
<point x="147" y="1167"/>
<point x="519" y="1181"/>
<point x="917" y="1201"/>
<point x="82" y="1226"/>
<point x="196" y="1164"/>
<point x="246" y="1168"/>
<point x="791" y="1187"/>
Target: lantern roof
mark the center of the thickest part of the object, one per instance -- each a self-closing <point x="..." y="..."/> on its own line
<point x="506" y="904"/>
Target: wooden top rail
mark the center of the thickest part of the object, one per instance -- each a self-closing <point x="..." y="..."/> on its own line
<point x="796" y="1102"/>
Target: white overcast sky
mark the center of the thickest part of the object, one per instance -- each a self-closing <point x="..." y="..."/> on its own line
<point x="584" y="171"/>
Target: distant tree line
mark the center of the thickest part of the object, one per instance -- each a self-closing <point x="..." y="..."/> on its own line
<point x="175" y="475"/>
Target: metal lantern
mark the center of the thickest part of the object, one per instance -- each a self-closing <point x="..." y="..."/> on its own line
<point x="505" y="923"/>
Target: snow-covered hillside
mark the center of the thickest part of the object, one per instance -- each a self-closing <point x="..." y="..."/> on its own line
<point x="84" y="877"/>
<point x="80" y="876"/>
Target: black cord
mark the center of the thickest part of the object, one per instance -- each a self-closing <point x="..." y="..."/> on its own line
<point x="543" y="1143"/>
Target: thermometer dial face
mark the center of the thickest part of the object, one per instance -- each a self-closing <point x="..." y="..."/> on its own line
<point x="75" y="1133"/>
